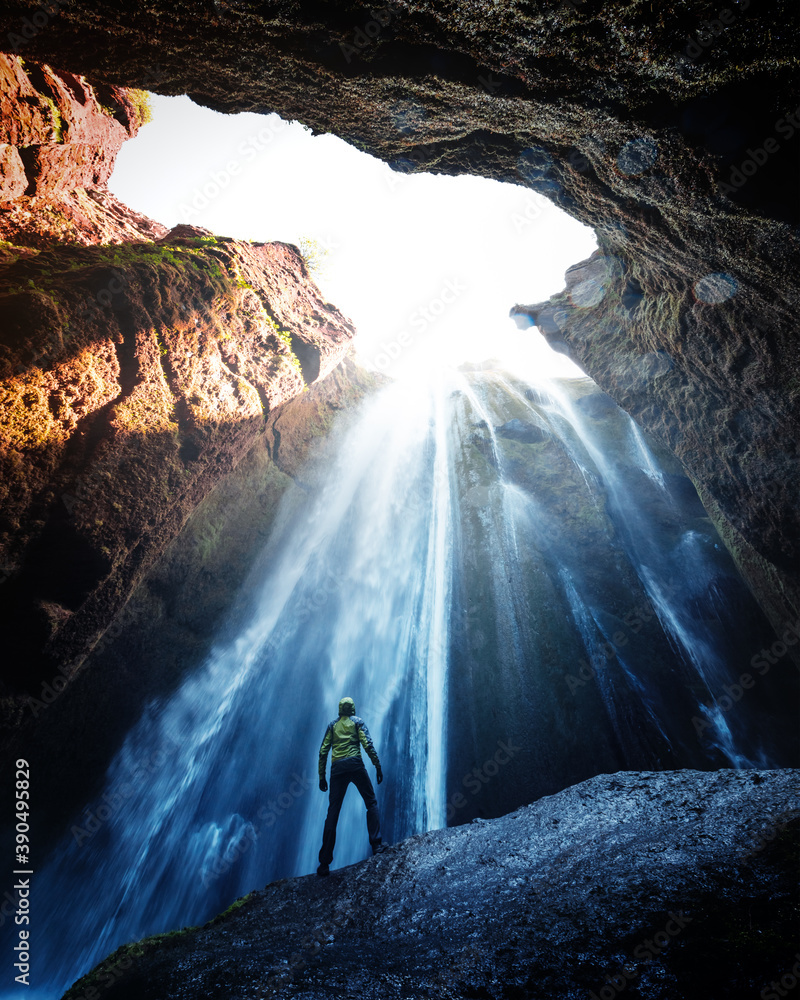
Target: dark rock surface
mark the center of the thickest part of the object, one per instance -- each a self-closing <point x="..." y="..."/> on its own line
<point x="522" y="430"/>
<point x="660" y="886"/>
<point x="714" y="380"/>
<point x="524" y="675"/>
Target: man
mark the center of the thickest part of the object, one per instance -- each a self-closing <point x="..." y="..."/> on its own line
<point x="344" y="737"/>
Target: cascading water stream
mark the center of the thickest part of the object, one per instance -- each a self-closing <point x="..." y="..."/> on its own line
<point x="658" y="570"/>
<point x="431" y="578"/>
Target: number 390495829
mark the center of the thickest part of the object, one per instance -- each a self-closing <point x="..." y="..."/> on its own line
<point x="23" y="810"/>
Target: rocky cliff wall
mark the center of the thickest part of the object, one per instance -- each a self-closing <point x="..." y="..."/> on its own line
<point x="672" y="130"/>
<point x="709" y="367"/>
<point x="523" y="637"/>
<point x="133" y="380"/>
<point x="137" y="368"/>
<point x="59" y="139"/>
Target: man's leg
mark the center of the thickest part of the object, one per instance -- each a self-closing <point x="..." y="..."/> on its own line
<point x="364" y="785"/>
<point x="339" y="783"/>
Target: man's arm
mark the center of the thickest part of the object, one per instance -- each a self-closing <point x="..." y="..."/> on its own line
<point x="323" y="756"/>
<point x="369" y="746"/>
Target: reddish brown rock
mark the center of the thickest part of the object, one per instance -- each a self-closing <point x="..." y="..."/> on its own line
<point x="26" y="118"/>
<point x="13" y="181"/>
<point x="83" y="217"/>
<point x="137" y="366"/>
<point x="61" y="138"/>
<point x="70" y="133"/>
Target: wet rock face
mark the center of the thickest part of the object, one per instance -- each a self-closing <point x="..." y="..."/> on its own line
<point x="673" y="132"/>
<point x="707" y="366"/>
<point x="652" y="885"/>
<point x="527" y="663"/>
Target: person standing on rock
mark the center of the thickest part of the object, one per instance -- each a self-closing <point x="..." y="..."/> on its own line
<point x="344" y="737"/>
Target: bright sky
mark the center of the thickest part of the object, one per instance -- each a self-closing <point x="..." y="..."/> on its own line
<point x="422" y="264"/>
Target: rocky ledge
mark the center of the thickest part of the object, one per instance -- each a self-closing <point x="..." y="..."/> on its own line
<point x="656" y="886"/>
<point x="59" y="140"/>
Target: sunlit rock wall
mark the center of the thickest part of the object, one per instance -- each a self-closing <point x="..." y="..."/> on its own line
<point x="59" y="139"/>
<point x="133" y="379"/>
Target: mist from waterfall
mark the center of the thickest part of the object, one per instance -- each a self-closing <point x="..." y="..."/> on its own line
<point x="364" y="591"/>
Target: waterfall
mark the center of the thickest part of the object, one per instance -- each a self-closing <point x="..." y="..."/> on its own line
<point x="657" y="566"/>
<point x="434" y="577"/>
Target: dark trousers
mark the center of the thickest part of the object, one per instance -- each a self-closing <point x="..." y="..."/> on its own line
<point x="342" y="773"/>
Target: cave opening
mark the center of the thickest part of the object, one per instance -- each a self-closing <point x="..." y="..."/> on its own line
<point x="426" y="265"/>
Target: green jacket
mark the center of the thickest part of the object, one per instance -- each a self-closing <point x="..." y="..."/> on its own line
<point x="344" y="738"/>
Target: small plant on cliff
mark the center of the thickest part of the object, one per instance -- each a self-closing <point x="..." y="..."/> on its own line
<point x="140" y="99"/>
<point x="56" y="121"/>
<point x="315" y="254"/>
